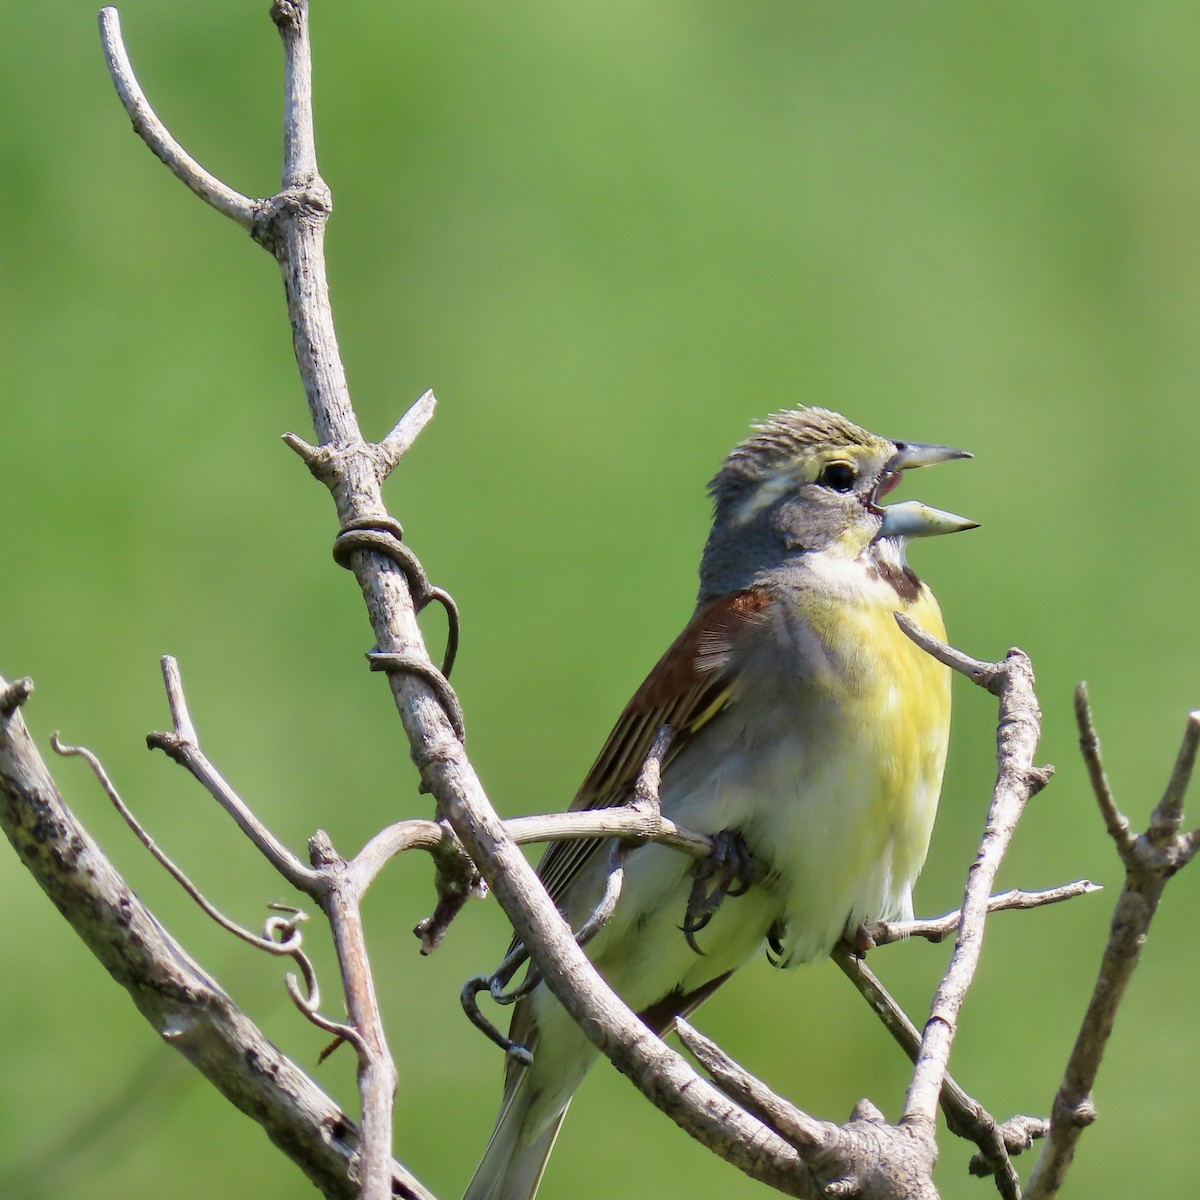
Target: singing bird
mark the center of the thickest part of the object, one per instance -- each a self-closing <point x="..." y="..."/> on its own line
<point x="809" y="733"/>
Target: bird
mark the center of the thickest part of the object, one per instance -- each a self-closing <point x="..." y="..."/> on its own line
<point x="808" y="737"/>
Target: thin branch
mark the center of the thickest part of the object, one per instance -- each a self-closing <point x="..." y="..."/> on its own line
<point x="266" y="943"/>
<point x="187" y="1008"/>
<point x="182" y="746"/>
<point x="865" y="1159"/>
<point x="335" y="887"/>
<point x="989" y="676"/>
<point x="634" y="822"/>
<point x="299" y="141"/>
<point x="937" y="929"/>
<point x="281" y="935"/>
<point x="155" y="134"/>
<point x="1089" y="745"/>
<point x="377" y="1077"/>
<point x="1017" y="780"/>
<point x="1150" y="861"/>
<point x="965" y="1116"/>
<point x="804" y="1132"/>
<point x="397" y="443"/>
<point x="1168" y="814"/>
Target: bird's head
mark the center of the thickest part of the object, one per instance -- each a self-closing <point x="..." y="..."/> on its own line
<point x="808" y="480"/>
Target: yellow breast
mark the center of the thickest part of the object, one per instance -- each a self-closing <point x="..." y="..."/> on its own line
<point x="868" y="810"/>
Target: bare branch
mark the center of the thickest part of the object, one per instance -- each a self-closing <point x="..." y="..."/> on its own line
<point x="804" y="1132"/>
<point x="377" y="1077"/>
<point x="290" y="944"/>
<point x="1150" y="861"/>
<point x="1168" y="814"/>
<point x="937" y="929"/>
<point x="1089" y="745"/>
<point x="965" y="1117"/>
<point x="281" y="935"/>
<point x="187" y="1008"/>
<point x="155" y="134"/>
<point x="336" y="888"/>
<point x="299" y="142"/>
<point x="867" y="1159"/>
<point x="1017" y="780"/>
<point x="988" y="676"/>
<point x="397" y="443"/>
<point x="182" y="746"/>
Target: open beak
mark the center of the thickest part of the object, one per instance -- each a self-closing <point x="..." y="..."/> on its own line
<point x="911" y="518"/>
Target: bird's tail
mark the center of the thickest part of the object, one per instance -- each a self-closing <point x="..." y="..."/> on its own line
<point x="515" y="1159"/>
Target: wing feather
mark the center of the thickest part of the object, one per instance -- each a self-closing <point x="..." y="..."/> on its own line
<point x="688" y="686"/>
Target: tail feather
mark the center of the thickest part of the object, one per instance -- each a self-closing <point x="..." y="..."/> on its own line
<point x="513" y="1163"/>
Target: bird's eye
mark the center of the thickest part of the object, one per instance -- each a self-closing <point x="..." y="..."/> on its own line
<point x="838" y="475"/>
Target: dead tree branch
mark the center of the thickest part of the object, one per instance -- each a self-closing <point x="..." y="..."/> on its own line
<point x="1017" y="780"/>
<point x="182" y="1003"/>
<point x="291" y="225"/>
<point x="1150" y="860"/>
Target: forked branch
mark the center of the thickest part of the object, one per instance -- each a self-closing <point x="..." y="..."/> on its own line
<point x="1151" y="859"/>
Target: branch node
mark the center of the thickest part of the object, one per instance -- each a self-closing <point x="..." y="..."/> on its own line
<point x="321" y="853"/>
<point x="865" y="1110"/>
<point x="315" y="458"/>
<point x="13" y="695"/>
<point x="286" y="14"/>
<point x="1037" y="778"/>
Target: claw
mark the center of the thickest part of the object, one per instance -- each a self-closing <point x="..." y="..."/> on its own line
<point x="733" y="868"/>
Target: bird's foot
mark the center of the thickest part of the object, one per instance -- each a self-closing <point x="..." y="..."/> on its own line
<point x="729" y="872"/>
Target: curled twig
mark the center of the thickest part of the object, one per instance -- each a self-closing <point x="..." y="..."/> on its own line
<point x="385" y="535"/>
<point x="281" y="935"/>
<point x="265" y="941"/>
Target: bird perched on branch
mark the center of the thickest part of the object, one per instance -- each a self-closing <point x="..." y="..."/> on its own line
<point x="809" y="740"/>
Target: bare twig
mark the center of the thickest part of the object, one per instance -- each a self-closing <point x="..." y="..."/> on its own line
<point x="188" y="1009"/>
<point x="337" y="889"/>
<point x="1089" y="746"/>
<point x="804" y="1132"/>
<point x="281" y="935"/>
<point x="291" y="943"/>
<point x="937" y="929"/>
<point x="1016" y="781"/>
<point x="154" y="133"/>
<point x="965" y="1116"/>
<point x="183" y="746"/>
<point x="1150" y="861"/>
<point x="867" y="1158"/>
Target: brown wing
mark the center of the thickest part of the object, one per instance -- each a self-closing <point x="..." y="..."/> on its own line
<point x="689" y="685"/>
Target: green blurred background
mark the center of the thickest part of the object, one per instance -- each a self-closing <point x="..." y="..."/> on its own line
<point x="609" y="236"/>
